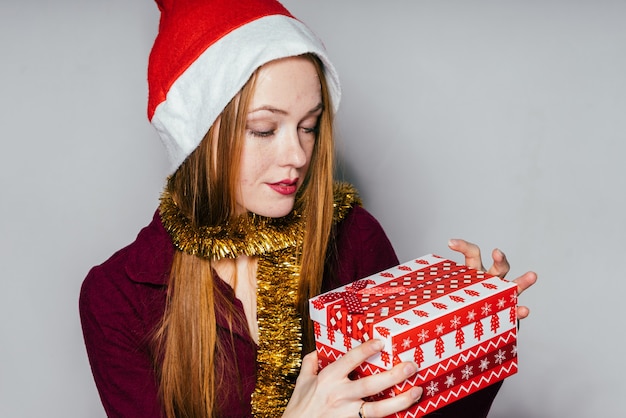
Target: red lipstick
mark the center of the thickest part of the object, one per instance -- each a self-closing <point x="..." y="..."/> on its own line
<point x="285" y="187"/>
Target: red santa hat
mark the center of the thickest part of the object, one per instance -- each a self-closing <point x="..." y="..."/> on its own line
<point x="204" y="53"/>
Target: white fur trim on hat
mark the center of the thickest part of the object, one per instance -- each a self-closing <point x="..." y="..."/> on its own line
<point x="200" y="93"/>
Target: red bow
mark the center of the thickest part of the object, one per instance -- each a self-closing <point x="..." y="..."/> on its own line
<point x="352" y="295"/>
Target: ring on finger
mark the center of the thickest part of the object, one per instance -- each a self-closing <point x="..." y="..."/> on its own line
<point x="361" y="413"/>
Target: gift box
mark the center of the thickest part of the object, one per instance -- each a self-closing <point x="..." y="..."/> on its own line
<point x="458" y="324"/>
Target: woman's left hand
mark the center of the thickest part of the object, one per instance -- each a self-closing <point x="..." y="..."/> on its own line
<point x="499" y="268"/>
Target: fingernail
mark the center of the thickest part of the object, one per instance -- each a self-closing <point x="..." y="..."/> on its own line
<point x="452" y="242"/>
<point x="378" y="345"/>
<point x="416" y="393"/>
<point x="410" y="369"/>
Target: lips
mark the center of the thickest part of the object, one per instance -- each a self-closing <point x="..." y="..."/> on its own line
<point x="285" y="187"/>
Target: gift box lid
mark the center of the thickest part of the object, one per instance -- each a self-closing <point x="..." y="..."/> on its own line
<point x="428" y="290"/>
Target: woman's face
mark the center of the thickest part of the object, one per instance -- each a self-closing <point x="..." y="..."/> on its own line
<point x="281" y="130"/>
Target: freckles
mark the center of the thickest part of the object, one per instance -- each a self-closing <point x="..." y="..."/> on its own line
<point x="250" y="175"/>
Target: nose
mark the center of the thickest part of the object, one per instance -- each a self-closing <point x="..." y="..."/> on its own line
<point x="292" y="151"/>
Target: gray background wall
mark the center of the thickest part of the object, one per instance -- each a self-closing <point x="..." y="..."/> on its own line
<point x="501" y="122"/>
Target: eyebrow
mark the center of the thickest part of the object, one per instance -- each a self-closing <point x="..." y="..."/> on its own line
<point x="268" y="108"/>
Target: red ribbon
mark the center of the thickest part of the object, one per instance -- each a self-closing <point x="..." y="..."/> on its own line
<point x="352" y="295"/>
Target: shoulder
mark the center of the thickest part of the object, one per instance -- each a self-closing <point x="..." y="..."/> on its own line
<point x="120" y="310"/>
<point x="360" y="245"/>
<point x="129" y="286"/>
<point x="145" y="260"/>
<point x="358" y="221"/>
<point x="105" y="283"/>
<point x="352" y="220"/>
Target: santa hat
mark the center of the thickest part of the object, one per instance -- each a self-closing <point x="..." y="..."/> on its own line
<point x="204" y="53"/>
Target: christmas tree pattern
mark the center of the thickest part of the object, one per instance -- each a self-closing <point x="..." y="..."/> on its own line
<point x="478" y="330"/>
<point x="495" y="322"/>
<point x="459" y="338"/>
<point x="439" y="347"/>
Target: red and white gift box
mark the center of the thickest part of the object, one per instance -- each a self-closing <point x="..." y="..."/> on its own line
<point x="458" y="324"/>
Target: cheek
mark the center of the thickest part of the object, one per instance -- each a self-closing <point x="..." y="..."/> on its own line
<point x="251" y="167"/>
<point x="309" y="149"/>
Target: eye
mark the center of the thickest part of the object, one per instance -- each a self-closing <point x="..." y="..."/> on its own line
<point x="310" y="126"/>
<point x="312" y="130"/>
<point x="261" y="134"/>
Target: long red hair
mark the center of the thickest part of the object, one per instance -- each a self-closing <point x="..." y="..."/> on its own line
<point x="193" y="358"/>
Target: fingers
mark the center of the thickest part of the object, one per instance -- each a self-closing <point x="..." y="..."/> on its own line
<point x="525" y="281"/>
<point x="500" y="265"/>
<point x="371" y="385"/>
<point x="376" y="383"/>
<point x="348" y="362"/>
<point x="310" y="365"/>
<point x="500" y="268"/>
<point x="391" y="405"/>
<point x="470" y="251"/>
<point x="473" y="258"/>
<point x="522" y="312"/>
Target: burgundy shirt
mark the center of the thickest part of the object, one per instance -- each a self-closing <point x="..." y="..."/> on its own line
<point x="123" y="300"/>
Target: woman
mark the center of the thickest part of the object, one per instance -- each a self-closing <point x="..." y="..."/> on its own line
<point x="205" y="314"/>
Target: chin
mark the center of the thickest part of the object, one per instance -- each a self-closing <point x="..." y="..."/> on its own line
<point x="275" y="212"/>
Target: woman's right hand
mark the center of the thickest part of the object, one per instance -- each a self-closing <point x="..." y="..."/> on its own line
<point x="331" y="393"/>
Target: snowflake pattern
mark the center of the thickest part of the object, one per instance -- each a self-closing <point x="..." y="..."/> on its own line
<point x="500" y="357"/>
<point x="471" y="316"/>
<point x="423" y="335"/>
<point x="406" y="343"/>
<point x="514" y="351"/>
<point x="450" y="380"/>
<point x="484" y="365"/>
<point x="432" y="388"/>
<point x="439" y="329"/>
<point x="486" y="309"/>
<point x="467" y="371"/>
<point x="501" y="303"/>
<point x="455" y="322"/>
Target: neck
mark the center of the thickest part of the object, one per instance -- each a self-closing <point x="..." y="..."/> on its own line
<point x="241" y="274"/>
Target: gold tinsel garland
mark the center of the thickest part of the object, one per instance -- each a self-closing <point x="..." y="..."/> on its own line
<point x="275" y="241"/>
<point x="248" y="234"/>
<point x="280" y="332"/>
